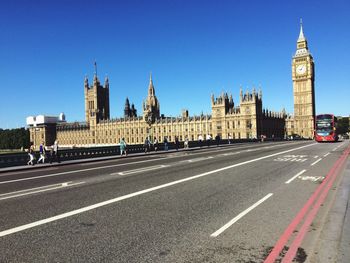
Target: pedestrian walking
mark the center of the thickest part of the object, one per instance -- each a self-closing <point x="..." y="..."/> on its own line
<point x="208" y="138"/>
<point x="146" y="145"/>
<point x="186" y="142"/>
<point x="177" y="143"/>
<point x="122" y="146"/>
<point x="165" y="140"/>
<point x="42" y="153"/>
<point x="31" y="155"/>
<point x="200" y="140"/>
<point x="54" y="153"/>
<point x="155" y="144"/>
<point x="217" y="139"/>
<point x="229" y="139"/>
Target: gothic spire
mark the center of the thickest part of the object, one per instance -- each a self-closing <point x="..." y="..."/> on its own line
<point x="95" y="74"/>
<point x="86" y="82"/>
<point x="301" y="34"/>
<point x="127" y="103"/>
<point x="106" y="82"/>
<point x="150" y="86"/>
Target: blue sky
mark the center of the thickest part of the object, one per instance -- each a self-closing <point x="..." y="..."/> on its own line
<point x="193" y="48"/>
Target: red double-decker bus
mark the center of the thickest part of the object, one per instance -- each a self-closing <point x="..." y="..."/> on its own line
<point x="325" y="128"/>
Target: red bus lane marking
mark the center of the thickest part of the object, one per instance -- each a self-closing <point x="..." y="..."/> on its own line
<point x="289" y="230"/>
<point x="310" y="217"/>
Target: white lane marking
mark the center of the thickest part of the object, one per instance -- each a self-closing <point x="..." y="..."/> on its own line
<point x="234" y="220"/>
<point x="295" y="176"/>
<point x="335" y="148"/>
<point x="24" y="172"/>
<point x="117" y="199"/>
<point x="200" y="159"/>
<point x="228" y="154"/>
<point x="253" y="150"/>
<point x="35" y="188"/>
<point x="312" y="178"/>
<point x="140" y="170"/>
<point x="316" y="162"/>
<point x="58" y="186"/>
<point x="326" y="154"/>
<point x="316" y="156"/>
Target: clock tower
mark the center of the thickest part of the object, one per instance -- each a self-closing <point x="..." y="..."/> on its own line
<point x="303" y="74"/>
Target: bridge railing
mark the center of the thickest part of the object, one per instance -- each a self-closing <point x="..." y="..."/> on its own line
<point x="15" y="159"/>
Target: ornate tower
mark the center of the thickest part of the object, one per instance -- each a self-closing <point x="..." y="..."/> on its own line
<point x="127" y="109"/>
<point x="251" y="113"/>
<point x="151" y="105"/>
<point x="220" y="107"/>
<point x="303" y="74"/>
<point x="96" y="100"/>
<point x="129" y="112"/>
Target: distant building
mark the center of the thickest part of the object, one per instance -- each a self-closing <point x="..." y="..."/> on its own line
<point x="43" y="128"/>
<point x="246" y="119"/>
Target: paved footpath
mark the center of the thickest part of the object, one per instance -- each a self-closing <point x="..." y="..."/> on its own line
<point x="334" y="241"/>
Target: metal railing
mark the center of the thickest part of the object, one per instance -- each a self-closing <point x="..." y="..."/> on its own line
<point x="15" y="159"/>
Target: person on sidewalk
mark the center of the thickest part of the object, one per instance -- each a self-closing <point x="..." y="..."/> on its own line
<point x="200" y="140"/>
<point x="155" y="144"/>
<point x="123" y="147"/>
<point x="208" y="139"/>
<point x="165" y="140"/>
<point x="186" y="142"/>
<point x="54" y="153"/>
<point x="31" y="154"/>
<point x="217" y="139"/>
<point x="229" y="138"/>
<point x="177" y="143"/>
<point x="147" y="145"/>
<point x="42" y="153"/>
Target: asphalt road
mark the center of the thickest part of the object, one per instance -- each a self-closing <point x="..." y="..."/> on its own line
<point x="219" y="204"/>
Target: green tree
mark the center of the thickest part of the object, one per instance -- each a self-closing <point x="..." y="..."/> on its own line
<point x="14" y="138"/>
<point x="343" y="125"/>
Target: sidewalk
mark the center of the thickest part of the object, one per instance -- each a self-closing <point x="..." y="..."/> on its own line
<point x="87" y="160"/>
<point x="334" y="241"/>
<point x="104" y="158"/>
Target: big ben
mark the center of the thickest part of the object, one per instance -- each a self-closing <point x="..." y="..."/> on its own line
<point x="303" y="74"/>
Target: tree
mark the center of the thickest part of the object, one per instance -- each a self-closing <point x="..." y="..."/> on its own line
<point x="343" y="125"/>
<point x="14" y="138"/>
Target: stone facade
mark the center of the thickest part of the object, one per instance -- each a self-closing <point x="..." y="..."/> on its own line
<point x="247" y="119"/>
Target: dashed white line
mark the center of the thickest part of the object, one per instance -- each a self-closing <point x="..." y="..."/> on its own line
<point x="140" y="170"/>
<point x="39" y="190"/>
<point x="200" y="159"/>
<point x="117" y="199"/>
<point x="228" y="154"/>
<point x="295" y="176"/>
<point x="316" y="162"/>
<point x="326" y="154"/>
<point x="234" y="220"/>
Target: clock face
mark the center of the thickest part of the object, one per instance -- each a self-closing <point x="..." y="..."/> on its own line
<point x="301" y="69"/>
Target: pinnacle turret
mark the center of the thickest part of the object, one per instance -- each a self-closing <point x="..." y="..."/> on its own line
<point x="301" y="34"/>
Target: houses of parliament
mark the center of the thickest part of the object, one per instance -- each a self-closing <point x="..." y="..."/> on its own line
<point x="245" y="119"/>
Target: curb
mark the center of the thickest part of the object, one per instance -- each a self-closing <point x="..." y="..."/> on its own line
<point x="334" y="240"/>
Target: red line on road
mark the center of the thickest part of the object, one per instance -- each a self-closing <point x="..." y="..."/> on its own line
<point x="290" y="229"/>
